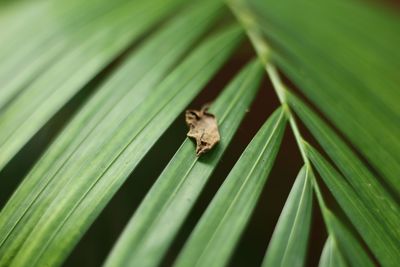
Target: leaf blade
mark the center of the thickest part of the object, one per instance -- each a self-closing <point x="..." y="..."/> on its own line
<point x="288" y="245"/>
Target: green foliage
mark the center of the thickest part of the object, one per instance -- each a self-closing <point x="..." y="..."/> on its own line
<point x="92" y="50"/>
<point x="342" y="50"/>
<point x="288" y="245"/>
<point x="349" y="246"/>
<point x="219" y="229"/>
<point x="367" y="187"/>
<point x="154" y="225"/>
<point x="381" y="240"/>
<point x="59" y="204"/>
<point x="342" y="55"/>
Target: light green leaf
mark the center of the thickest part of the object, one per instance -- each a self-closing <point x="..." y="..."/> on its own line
<point x="382" y="241"/>
<point x="219" y="229"/>
<point x="33" y="107"/>
<point x="82" y="185"/>
<point x="136" y="79"/>
<point x="288" y="245"/>
<point x="342" y="55"/>
<point x="55" y="27"/>
<point x="366" y="186"/>
<point x="331" y="256"/>
<point x="154" y="225"/>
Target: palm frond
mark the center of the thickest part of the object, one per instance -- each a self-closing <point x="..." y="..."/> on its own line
<point x="64" y="201"/>
<point x="136" y="79"/>
<point x="42" y="98"/>
<point x="338" y="59"/>
<point x="147" y="60"/>
<point x="154" y="225"/>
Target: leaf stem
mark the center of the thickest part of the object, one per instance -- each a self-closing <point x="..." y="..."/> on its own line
<point x="280" y="90"/>
<point x="248" y="22"/>
<point x="263" y="51"/>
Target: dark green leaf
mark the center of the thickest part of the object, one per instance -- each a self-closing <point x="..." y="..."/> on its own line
<point x="288" y="245"/>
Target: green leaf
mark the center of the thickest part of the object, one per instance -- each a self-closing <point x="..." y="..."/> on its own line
<point x="288" y="245"/>
<point x="342" y="55"/>
<point x="33" y="107"/>
<point x="219" y="229"/>
<point x="331" y="256"/>
<point x="348" y="245"/>
<point x="366" y="186"/>
<point x="382" y="241"/>
<point x="152" y="60"/>
<point x="156" y="222"/>
<point x="64" y="205"/>
<point x="55" y="27"/>
<point x="344" y="238"/>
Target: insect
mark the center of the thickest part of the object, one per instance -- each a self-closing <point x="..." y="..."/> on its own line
<point x="203" y="128"/>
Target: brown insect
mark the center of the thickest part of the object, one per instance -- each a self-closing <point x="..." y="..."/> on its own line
<point x="203" y="128"/>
